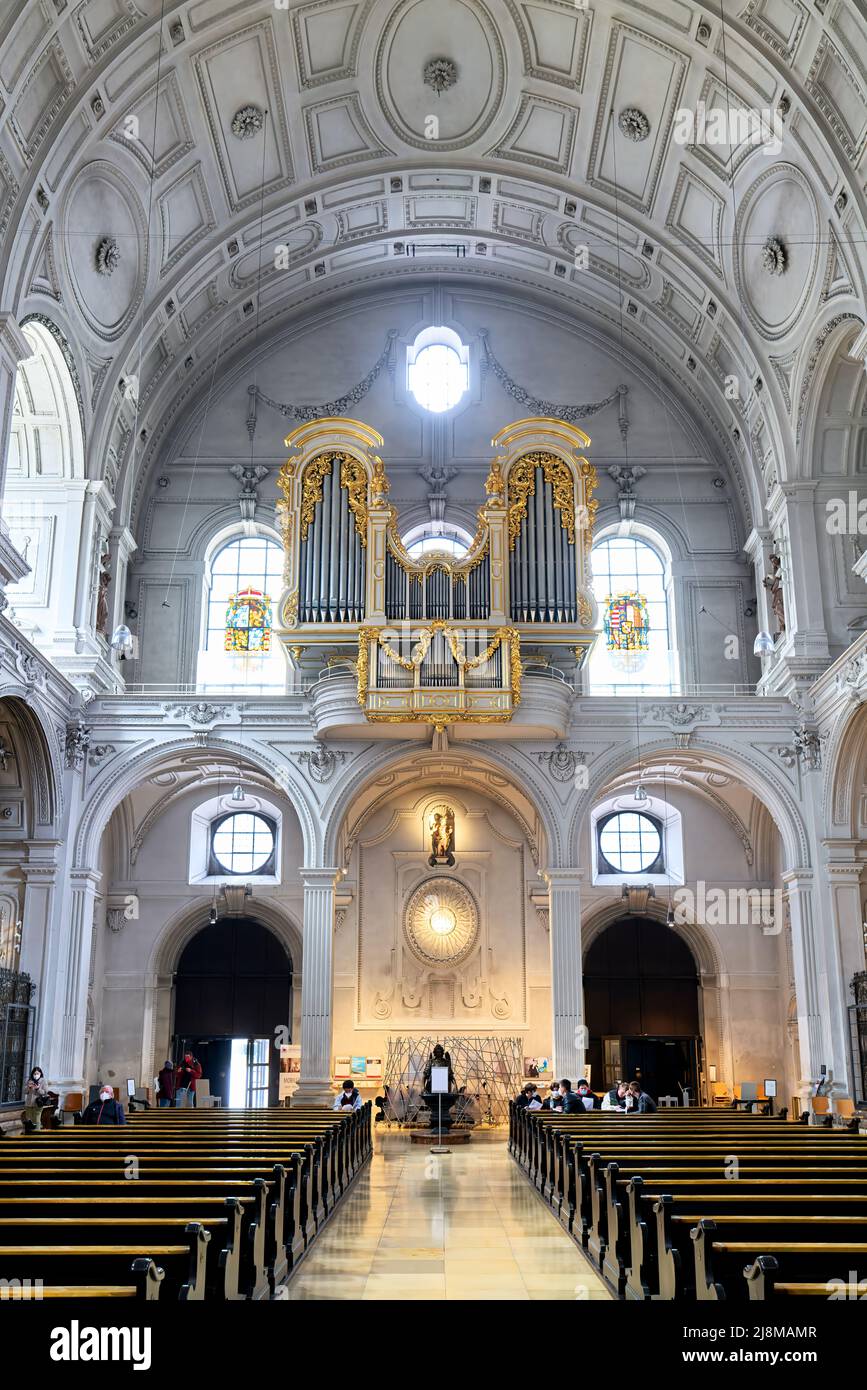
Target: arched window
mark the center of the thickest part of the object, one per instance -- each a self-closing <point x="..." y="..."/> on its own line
<point x="437" y="536"/>
<point x="437" y="369"/>
<point x="45" y="491"/>
<point x="634" y="652"/>
<point x="243" y="581"/>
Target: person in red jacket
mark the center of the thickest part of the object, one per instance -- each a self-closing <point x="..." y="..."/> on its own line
<point x="188" y="1073"/>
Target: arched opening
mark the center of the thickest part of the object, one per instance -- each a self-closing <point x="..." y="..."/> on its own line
<point x="641" y="1008"/>
<point x="44" y="501"/>
<point x="233" y="992"/>
<point x="243" y="578"/>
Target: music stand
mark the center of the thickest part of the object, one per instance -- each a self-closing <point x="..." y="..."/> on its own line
<point x="439" y="1085"/>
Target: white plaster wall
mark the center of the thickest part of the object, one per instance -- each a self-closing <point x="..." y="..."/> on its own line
<point x="134" y="1002"/>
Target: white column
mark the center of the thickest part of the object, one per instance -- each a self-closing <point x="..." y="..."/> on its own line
<point x="759" y="548"/>
<point x="819" y="987"/>
<point x="317" y="992"/>
<point x="14" y="348"/>
<point x="121" y="545"/>
<point x="40" y="880"/>
<point x="567" y="985"/>
<point x="64" y="1013"/>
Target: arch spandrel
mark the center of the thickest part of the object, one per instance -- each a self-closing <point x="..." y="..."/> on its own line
<point x="108" y="789"/>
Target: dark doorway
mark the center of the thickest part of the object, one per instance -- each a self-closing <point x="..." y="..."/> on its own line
<point x="234" y="980"/>
<point x="641" y="1008"/>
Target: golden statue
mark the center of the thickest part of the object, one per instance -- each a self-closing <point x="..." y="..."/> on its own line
<point x="441" y="824"/>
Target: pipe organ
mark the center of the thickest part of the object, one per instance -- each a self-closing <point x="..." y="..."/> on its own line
<point x="436" y="638"/>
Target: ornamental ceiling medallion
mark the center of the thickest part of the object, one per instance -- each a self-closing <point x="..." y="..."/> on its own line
<point x="441" y="922"/>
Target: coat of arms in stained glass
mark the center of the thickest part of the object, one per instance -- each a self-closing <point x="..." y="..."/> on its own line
<point x="248" y="622"/>
<point x="627" y="623"/>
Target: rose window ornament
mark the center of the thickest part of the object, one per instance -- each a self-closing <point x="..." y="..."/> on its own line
<point x="633" y="123"/>
<point x="440" y="74"/>
<point x="441" y="922"/>
<point x="247" y="122"/>
<point x="107" y="256"/>
<point x="774" y="256"/>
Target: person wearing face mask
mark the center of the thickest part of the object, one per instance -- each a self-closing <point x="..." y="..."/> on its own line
<point x="105" y="1111"/>
<point x="35" y="1094"/>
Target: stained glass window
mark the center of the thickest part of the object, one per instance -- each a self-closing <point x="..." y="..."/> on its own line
<point x="248" y="622"/>
<point x="626" y="623"/>
<point x="252" y="562"/>
<point x="633" y="654"/>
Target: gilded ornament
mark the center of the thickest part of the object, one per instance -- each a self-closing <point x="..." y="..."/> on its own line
<point x="353" y="476"/>
<point x="495" y="483"/>
<point x="311" y="494"/>
<point x="522" y="486"/>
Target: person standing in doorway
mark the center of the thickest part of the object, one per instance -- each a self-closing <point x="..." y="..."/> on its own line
<point x="187" y="1075"/>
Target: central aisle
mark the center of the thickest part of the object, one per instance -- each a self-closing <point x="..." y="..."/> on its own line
<point x="463" y="1226"/>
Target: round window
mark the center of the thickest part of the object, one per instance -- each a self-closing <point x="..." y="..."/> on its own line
<point x="630" y="842"/>
<point x="243" y="843"/>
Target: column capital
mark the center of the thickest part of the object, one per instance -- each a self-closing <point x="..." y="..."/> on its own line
<point x="562" y="878"/>
<point x="797" y="880"/>
<point x="320" y="877"/>
<point x="85" y="878"/>
<point x="12" y="341"/>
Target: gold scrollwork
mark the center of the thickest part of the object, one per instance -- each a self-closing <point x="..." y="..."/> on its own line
<point x="522" y="486"/>
<point x="290" y="610"/>
<point x="311" y="494"/>
<point x="438" y="718"/>
<point x="353" y="476"/>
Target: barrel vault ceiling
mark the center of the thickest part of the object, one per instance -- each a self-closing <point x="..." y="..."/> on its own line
<point x="140" y="204"/>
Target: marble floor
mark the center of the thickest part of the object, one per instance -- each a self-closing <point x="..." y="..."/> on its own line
<point x="462" y="1226"/>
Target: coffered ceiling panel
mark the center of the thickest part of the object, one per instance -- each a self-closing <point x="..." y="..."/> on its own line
<point x="450" y="107"/>
<point x="554" y="39"/>
<point x="241" y="86"/>
<point x="338" y="134"/>
<point x="327" y="38"/>
<point x="43" y="95"/>
<point x="629" y="147"/>
<point x="840" y="94"/>
<point x="102" y="22"/>
<point x="695" y="217"/>
<point x="164" y="134"/>
<point x="779" y="22"/>
<point x="186" y="216"/>
<point x="543" y="134"/>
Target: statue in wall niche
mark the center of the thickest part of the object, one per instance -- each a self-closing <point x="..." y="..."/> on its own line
<point x="774" y="585"/>
<point x="102" y="595"/>
<point x="441" y="824"/>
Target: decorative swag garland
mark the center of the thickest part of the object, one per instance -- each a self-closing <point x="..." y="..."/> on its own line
<point x="422" y="646"/>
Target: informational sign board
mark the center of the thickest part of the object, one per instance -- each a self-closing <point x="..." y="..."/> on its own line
<point x="290" y="1069"/>
<point x="770" y="1084"/>
<point x="439" y="1080"/>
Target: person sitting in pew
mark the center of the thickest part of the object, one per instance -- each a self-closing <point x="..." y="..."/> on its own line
<point x="638" y="1102"/>
<point x="585" y="1095"/>
<point x="568" y="1103"/>
<point x="349" y="1098"/>
<point x="105" y="1111"/>
<point x="616" y="1097"/>
<point x="526" y="1096"/>
<point x="552" y="1100"/>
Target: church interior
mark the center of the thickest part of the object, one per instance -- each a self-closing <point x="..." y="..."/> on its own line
<point x="433" y="652"/>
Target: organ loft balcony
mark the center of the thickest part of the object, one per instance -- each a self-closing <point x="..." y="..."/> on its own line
<point x="485" y="644"/>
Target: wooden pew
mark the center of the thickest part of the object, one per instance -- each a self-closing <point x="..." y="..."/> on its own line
<point x="763" y="1283"/>
<point x="800" y="1254"/>
<point x="181" y="1163"/>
